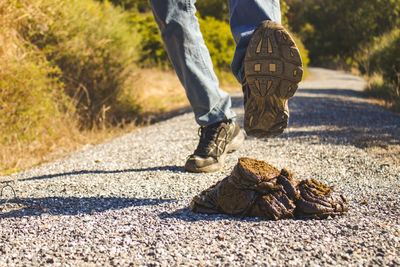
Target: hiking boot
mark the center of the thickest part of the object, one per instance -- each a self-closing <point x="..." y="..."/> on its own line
<point x="272" y="69"/>
<point x="216" y="141"/>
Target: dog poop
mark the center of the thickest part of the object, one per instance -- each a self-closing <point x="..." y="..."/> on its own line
<point x="258" y="189"/>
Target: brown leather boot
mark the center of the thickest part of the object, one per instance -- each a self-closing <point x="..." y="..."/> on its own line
<point x="273" y="69"/>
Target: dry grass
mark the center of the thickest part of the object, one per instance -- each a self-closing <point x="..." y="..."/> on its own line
<point x="39" y="122"/>
<point x="161" y="92"/>
<point x="158" y="91"/>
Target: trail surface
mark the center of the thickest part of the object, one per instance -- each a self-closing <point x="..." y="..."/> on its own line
<point x="126" y="201"/>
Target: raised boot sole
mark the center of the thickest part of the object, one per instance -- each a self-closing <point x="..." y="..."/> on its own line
<point x="273" y="69"/>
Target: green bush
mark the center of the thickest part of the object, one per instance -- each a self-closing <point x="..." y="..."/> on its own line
<point x="378" y="87"/>
<point x="303" y="54"/>
<point x="213" y="8"/>
<point x="94" y="46"/>
<point x="33" y="107"/>
<point x="31" y="98"/>
<point x="151" y="52"/>
<point x="381" y="62"/>
<point x="384" y="56"/>
<point x="219" y="9"/>
<point x="284" y="13"/>
<point x="336" y="30"/>
<point x="140" y="5"/>
<point x="219" y="41"/>
<point x="31" y="95"/>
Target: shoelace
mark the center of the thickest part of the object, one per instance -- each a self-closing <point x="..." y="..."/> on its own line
<point x="207" y="136"/>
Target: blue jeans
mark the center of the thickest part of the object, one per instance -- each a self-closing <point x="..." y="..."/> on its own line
<point x="190" y="57"/>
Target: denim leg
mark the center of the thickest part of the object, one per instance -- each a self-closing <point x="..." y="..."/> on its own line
<point x="245" y="16"/>
<point x="191" y="60"/>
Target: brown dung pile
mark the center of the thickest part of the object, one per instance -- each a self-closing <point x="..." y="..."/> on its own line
<point x="258" y="189"/>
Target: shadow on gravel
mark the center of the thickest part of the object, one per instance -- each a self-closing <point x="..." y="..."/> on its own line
<point x="174" y="169"/>
<point x="71" y="205"/>
<point x="332" y="92"/>
<point x="185" y="214"/>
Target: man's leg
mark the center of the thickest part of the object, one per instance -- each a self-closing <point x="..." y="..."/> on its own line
<point x="266" y="62"/>
<point x="191" y="60"/>
<point x="189" y="55"/>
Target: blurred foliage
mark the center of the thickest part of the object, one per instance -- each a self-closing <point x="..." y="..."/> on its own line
<point x="140" y="5"/>
<point x="94" y="46"/>
<point x="284" y="12"/>
<point x="30" y="100"/>
<point x="213" y="20"/>
<point x="151" y="47"/>
<point x="31" y="95"/>
<point x="383" y="55"/>
<point x="219" y="40"/>
<point x="303" y="53"/>
<point x="217" y="9"/>
<point x="335" y="30"/>
<point x="380" y="61"/>
<point x="303" y="50"/>
<point x="216" y="34"/>
<point x="33" y="107"/>
<point x="353" y="34"/>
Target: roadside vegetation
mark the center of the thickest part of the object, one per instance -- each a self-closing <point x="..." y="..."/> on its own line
<point x="381" y="64"/>
<point x="64" y="67"/>
<point x="78" y="72"/>
<point x="361" y="36"/>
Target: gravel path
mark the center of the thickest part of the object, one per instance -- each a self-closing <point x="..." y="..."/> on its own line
<point x="125" y="202"/>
